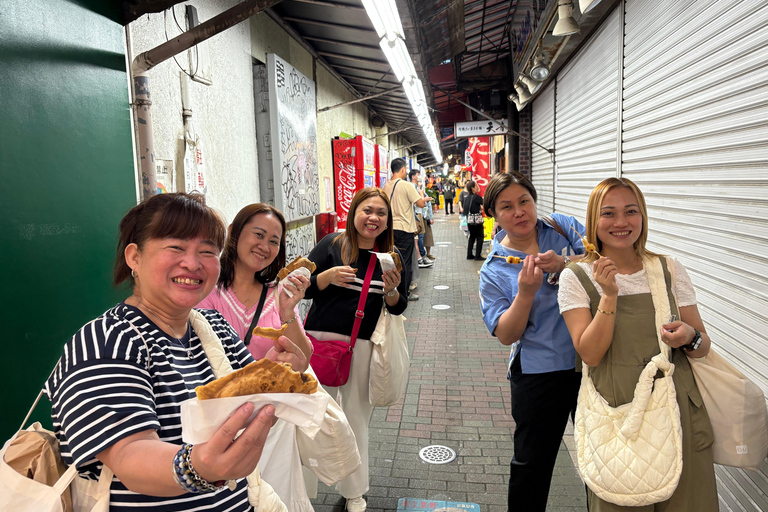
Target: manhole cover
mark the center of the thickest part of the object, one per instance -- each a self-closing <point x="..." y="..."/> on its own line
<point x="437" y="454"/>
<point x="441" y="306"/>
<point x="441" y="287"/>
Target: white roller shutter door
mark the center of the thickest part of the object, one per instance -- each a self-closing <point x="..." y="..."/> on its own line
<point x="586" y="124"/>
<point x="543" y="132"/>
<point x="696" y="142"/>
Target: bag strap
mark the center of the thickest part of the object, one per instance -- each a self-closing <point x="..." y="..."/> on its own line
<point x="256" y="315"/>
<point x="393" y="189"/>
<point x="211" y="343"/>
<point x="360" y="313"/>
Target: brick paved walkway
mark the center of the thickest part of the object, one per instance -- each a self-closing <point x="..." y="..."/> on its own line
<point x="457" y="396"/>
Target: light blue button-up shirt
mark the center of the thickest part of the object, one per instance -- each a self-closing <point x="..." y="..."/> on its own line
<point x="545" y="345"/>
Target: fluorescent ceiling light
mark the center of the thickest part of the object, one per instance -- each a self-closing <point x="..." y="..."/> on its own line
<point x="398" y="57"/>
<point x="565" y="25"/>
<point x="587" y="5"/>
<point x="384" y="16"/>
<point x="539" y="71"/>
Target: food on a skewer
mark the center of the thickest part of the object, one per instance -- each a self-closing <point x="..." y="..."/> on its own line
<point x="514" y="260"/>
<point x="263" y="376"/>
<point x="588" y="247"/>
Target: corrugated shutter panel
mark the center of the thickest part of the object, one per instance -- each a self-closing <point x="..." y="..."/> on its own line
<point x="587" y="119"/>
<point x="543" y="132"/>
<point x="696" y="142"/>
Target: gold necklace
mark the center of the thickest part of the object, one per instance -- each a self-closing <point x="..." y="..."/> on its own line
<point x="247" y="299"/>
<point x="177" y="338"/>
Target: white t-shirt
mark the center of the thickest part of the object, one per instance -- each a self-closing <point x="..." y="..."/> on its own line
<point x="572" y="294"/>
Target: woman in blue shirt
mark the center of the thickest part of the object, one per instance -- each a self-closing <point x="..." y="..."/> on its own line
<point x="519" y="304"/>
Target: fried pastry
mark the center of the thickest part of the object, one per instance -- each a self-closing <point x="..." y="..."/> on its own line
<point x="396" y="259"/>
<point x="263" y="376"/>
<point x="295" y="264"/>
<point x="269" y="332"/>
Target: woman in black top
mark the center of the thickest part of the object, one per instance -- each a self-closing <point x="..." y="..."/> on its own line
<point x="473" y="203"/>
<point x="342" y="261"/>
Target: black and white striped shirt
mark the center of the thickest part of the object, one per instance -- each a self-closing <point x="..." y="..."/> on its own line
<point x="109" y="385"/>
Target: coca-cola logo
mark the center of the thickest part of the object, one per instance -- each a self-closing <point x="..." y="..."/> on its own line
<point x="345" y="189"/>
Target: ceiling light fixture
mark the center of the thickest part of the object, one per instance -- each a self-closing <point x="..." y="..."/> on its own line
<point x="539" y="71"/>
<point x="565" y="25"/>
<point x="587" y="5"/>
<point x="532" y="85"/>
<point x="386" y="22"/>
<point x="522" y="94"/>
<point x="514" y="99"/>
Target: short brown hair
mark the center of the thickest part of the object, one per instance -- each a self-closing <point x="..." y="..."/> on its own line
<point x="350" y="248"/>
<point x="499" y="182"/>
<point x="229" y="256"/>
<point x="177" y="215"/>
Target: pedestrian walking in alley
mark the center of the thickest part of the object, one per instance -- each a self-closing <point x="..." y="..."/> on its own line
<point x="612" y="310"/>
<point x="117" y="390"/>
<point x="472" y="207"/>
<point x="247" y="295"/>
<point x="462" y="214"/>
<point x="449" y="193"/>
<point x="520" y="308"/>
<point x="421" y="223"/>
<point x="402" y="197"/>
<point x="343" y="261"/>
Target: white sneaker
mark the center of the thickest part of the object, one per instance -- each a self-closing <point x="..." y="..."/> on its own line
<point x="356" y="504"/>
<point x="424" y="263"/>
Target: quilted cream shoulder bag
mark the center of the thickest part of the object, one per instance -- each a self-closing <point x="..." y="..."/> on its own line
<point x="632" y="455"/>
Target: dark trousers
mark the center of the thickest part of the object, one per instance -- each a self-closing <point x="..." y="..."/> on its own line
<point x="475" y="238"/>
<point x="448" y="204"/>
<point x="404" y="243"/>
<point x="541" y="404"/>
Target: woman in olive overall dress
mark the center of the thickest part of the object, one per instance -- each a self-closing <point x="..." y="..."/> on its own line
<point x="607" y="306"/>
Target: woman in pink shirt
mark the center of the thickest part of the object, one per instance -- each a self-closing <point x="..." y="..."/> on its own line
<point x="253" y="255"/>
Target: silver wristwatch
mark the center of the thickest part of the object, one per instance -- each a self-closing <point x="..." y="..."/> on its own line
<point x="391" y="293"/>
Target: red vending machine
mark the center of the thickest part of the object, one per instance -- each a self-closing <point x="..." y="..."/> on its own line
<point x="382" y="165"/>
<point x="353" y="169"/>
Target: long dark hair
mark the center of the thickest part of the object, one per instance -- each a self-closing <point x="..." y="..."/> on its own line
<point x="350" y="247"/>
<point x="229" y="256"/>
<point x="177" y="215"/>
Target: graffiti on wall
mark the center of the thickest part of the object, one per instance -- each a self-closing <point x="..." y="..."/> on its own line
<point x="296" y="161"/>
<point x="299" y="240"/>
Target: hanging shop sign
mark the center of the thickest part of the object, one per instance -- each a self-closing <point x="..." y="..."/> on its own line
<point x="480" y="161"/>
<point x="480" y="128"/>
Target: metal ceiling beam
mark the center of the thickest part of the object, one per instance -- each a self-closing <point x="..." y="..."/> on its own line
<point x="368" y="97"/>
<point x="355" y="59"/>
<point x="326" y="3"/>
<point x="341" y="43"/>
<point x="336" y="26"/>
<point x="396" y="131"/>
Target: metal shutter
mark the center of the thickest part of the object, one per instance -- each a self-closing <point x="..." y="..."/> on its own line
<point x="543" y="132"/>
<point x="696" y="142"/>
<point x="586" y="124"/>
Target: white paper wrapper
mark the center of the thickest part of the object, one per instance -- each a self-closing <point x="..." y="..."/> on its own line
<point x="301" y="271"/>
<point x="386" y="261"/>
<point x="200" y="419"/>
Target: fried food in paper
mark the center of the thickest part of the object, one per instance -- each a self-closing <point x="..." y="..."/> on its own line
<point x="263" y="376"/>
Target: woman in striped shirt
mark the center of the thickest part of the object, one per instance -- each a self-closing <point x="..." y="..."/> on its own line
<point x="117" y="390"/>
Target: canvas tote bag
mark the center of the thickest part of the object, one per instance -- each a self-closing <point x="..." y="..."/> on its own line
<point x="632" y="455"/>
<point x="389" y="361"/>
<point x="736" y="409"/>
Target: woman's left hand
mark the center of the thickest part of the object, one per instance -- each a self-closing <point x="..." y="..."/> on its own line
<point x="298" y="285"/>
<point x="549" y="261"/>
<point x="286" y="351"/>
<point x="677" y="334"/>
<point x="391" y="280"/>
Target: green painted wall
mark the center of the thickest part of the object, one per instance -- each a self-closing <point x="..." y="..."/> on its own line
<point x="66" y="178"/>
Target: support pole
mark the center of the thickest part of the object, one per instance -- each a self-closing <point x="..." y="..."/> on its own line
<point x="369" y="97"/>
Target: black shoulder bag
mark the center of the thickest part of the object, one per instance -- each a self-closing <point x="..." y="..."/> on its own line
<point x="257" y="314"/>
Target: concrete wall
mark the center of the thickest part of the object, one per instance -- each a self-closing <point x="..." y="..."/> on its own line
<point x="222" y="112"/>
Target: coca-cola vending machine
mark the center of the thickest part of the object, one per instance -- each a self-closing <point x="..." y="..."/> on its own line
<point x="353" y="169"/>
<point x="382" y="165"/>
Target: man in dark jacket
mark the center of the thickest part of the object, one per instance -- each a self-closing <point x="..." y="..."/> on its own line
<point x="449" y="191"/>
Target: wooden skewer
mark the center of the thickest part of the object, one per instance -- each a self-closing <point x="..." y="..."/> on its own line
<point x="587" y="245"/>
<point x="510" y="259"/>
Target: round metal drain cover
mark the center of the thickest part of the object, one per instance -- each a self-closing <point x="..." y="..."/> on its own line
<point x="437" y="454"/>
<point x="441" y="306"/>
<point x="441" y="287"/>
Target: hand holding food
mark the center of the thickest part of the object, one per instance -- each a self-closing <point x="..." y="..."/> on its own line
<point x="297" y="263"/>
<point x="514" y="260"/>
<point x="588" y="247"/>
<point x="263" y="376"/>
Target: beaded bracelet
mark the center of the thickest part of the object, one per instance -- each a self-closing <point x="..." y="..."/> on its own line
<point x="186" y="476"/>
<point x="606" y="312"/>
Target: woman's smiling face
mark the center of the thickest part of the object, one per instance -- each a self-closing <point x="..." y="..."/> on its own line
<point x="515" y="211"/>
<point x="259" y="242"/>
<point x="370" y="220"/>
<point x="621" y="221"/>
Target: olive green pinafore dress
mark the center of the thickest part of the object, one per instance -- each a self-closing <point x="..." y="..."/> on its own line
<point x="634" y="344"/>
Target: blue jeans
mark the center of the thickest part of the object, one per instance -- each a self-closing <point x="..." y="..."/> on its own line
<point x="422" y="250"/>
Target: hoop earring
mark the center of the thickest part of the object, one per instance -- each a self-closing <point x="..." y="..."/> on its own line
<point x="134" y="274"/>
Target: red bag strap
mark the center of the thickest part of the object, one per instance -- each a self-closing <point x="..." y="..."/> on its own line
<point x="360" y="313"/>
